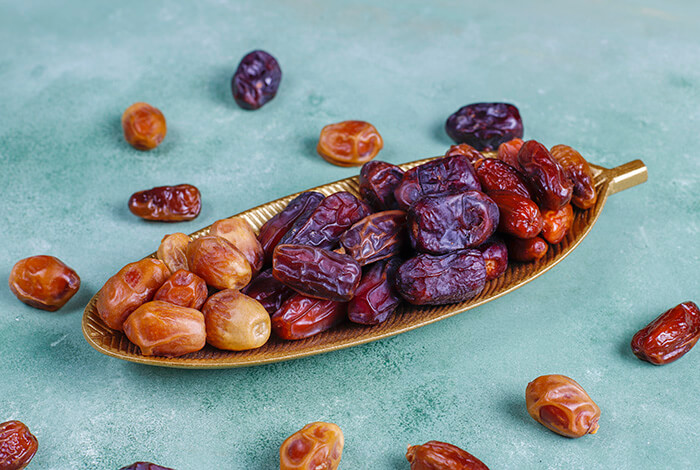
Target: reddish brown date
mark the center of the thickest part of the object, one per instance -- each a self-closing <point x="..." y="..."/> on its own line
<point x="454" y="174"/>
<point x="495" y="175"/>
<point x="185" y="289"/>
<point x="241" y="235"/>
<point x="43" y="282"/>
<point x="317" y="446"/>
<point x="579" y="172"/>
<point x="218" y="262"/>
<point x="557" y="223"/>
<point x="377" y="183"/>
<point x="560" y="404"/>
<point x="436" y="455"/>
<point x="300" y="316"/>
<point x="550" y="186"/>
<point x="17" y="445"/>
<point x="519" y="216"/>
<point x="144" y="466"/>
<point x="167" y="203"/>
<point x="669" y="336"/>
<point x="495" y="256"/>
<point x="316" y="272"/>
<point x="441" y="279"/>
<point x="508" y="152"/>
<point x="444" y="223"/>
<point x="144" y="126"/>
<point x="376" y="297"/>
<point x="475" y="157"/>
<point x="349" y="143"/>
<point x="299" y="209"/>
<point x="324" y="227"/>
<point x="526" y="251"/>
<point x="267" y="290"/>
<point x="378" y="236"/>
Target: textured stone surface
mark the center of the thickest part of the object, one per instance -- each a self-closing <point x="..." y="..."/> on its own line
<point x="616" y="80"/>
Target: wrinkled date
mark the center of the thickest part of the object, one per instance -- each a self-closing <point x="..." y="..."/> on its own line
<point x="144" y="466"/>
<point x="326" y="224"/>
<point x="267" y="290"/>
<point x="436" y="455"/>
<point x="562" y="405"/>
<point x="183" y="288"/>
<point x="299" y="209"/>
<point x="557" y="223"/>
<point x="241" y="235"/>
<point x="349" y="143"/>
<point x="135" y="284"/>
<point x="256" y="80"/>
<point x="17" y="445"/>
<point x="173" y="251"/>
<point x="218" y="262"/>
<point x="550" y="186"/>
<point x="473" y="155"/>
<point x="300" y="316"/>
<point x="378" y="180"/>
<point x="495" y="175"/>
<point x="485" y="125"/>
<point x="495" y="256"/>
<point x="167" y="203"/>
<point x="375" y="298"/>
<point x="669" y="336"/>
<point x="164" y="329"/>
<point x="508" y="152"/>
<point x="43" y="282"/>
<point x="444" y="223"/>
<point x="378" y="236"/>
<point x="519" y="216"/>
<point x="144" y="126"/>
<point x="316" y="272"/>
<point x="453" y="174"/>
<point x="579" y="172"/>
<point x="317" y="446"/>
<point x="442" y="279"/>
<point x="235" y="322"/>
<point x="526" y="251"/>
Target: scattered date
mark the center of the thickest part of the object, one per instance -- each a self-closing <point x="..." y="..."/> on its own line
<point x="669" y="336"/>
<point x="167" y="203"/>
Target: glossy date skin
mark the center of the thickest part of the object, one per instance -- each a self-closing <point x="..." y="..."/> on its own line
<point x="579" y="172"/>
<point x="441" y="279"/>
<point x="241" y="235"/>
<point x="495" y="175"/>
<point x="173" y="251"/>
<point x="43" y="282"/>
<point x="669" y="336"/>
<point x="17" y="445"/>
<point x="327" y="223"/>
<point x="561" y="405"/>
<point x="235" y="321"/>
<point x="378" y="236"/>
<point x="526" y="251"/>
<point x="183" y="288"/>
<point x="485" y="125"/>
<point x="317" y="446"/>
<point x="557" y="224"/>
<point x="495" y="256"/>
<point x="144" y="126"/>
<point x="167" y="203"/>
<point x="508" y="152"/>
<point x="300" y="317"/>
<point x="519" y="216"/>
<point x="144" y="466"/>
<point x="473" y="155"/>
<point x="134" y="284"/>
<point x="550" y="186"/>
<point x="376" y="297"/>
<point x="436" y="455"/>
<point x="378" y="180"/>
<point x="349" y="143"/>
<point x="218" y="262"/>
<point x="454" y="174"/>
<point x="299" y="210"/>
<point x="267" y="290"/>
<point x="256" y="80"/>
<point x="316" y="272"/>
<point x="443" y="223"/>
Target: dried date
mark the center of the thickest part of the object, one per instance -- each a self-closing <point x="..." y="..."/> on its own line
<point x="376" y="297"/>
<point x="317" y="446"/>
<point x="43" y="282"/>
<point x="267" y="290"/>
<point x="508" y="152"/>
<point x="300" y="316"/>
<point x="183" y="288"/>
<point x="669" y="336"/>
<point x="218" y="262"/>
<point x="316" y="272"/>
<point x="235" y="322"/>
<point x="550" y="186"/>
<point x="557" y="223"/>
<point x="378" y="180"/>
<point x="579" y="172"/>
<point x="144" y="126"/>
<point x="144" y="466"/>
<point x="173" y="251"/>
<point x="495" y="175"/>
<point x="256" y="80"/>
<point x="443" y="223"/>
<point x="436" y="455"/>
<point x="17" y="445"/>
<point x="519" y="216"/>
<point x="441" y="279"/>
<point x="485" y="125"/>
<point x="378" y="236"/>
<point x="526" y="250"/>
<point x="495" y="256"/>
<point x="241" y="235"/>
<point x="167" y="203"/>
<point x="454" y="174"/>
<point x="349" y="143"/>
<point x="560" y="404"/>
<point x="473" y="155"/>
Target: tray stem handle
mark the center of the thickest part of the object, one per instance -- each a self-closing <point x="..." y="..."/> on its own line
<point x="625" y="176"/>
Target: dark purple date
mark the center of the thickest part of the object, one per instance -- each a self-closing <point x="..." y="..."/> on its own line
<point x="443" y="223"/>
<point x="256" y="80"/>
<point x="551" y="188"/>
<point x="377" y="183"/>
<point x="378" y="236"/>
<point x="144" y="466"/>
<point x="376" y="297"/>
<point x="267" y="290"/>
<point x="495" y="256"/>
<point x="485" y="126"/>
<point x="442" y="279"/>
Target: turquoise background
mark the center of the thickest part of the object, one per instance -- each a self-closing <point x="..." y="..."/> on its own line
<point x="618" y="80"/>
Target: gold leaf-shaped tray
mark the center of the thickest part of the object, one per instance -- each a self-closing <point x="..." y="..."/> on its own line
<point x="406" y="317"/>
